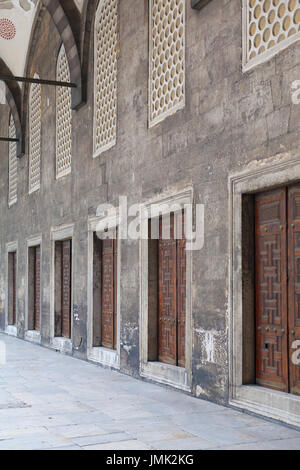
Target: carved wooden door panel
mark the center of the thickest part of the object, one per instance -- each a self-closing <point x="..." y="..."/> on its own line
<point x="115" y="319"/>
<point x="271" y="290"/>
<point x="294" y="286"/>
<point x="167" y="308"/>
<point x="66" y="287"/>
<point x="181" y="298"/>
<point x="14" y="288"/>
<point x="37" y="291"/>
<point x="107" y="312"/>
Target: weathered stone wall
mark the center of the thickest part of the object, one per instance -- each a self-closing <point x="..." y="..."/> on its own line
<point x="230" y="119"/>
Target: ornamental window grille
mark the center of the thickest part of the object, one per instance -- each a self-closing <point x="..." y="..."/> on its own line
<point x="34" y="136"/>
<point x="105" y="75"/>
<point x="167" y="58"/>
<point x="12" y="165"/>
<point x="63" y="117"/>
<point x="269" y="26"/>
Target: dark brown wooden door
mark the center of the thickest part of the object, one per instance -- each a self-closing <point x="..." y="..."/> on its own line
<point x="294" y="285"/>
<point x="115" y="291"/>
<point x="12" y="288"/>
<point x="37" y="290"/>
<point x="172" y="297"/>
<point x="109" y="293"/>
<point x="167" y="308"/>
<point x="66" y="277"/>
<point x="181" y="298"/>
<point x="271" y="290"/>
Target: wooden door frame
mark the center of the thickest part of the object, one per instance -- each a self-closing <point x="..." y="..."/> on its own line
<point x="59" y="234"/>
<point x="12" y="330"/>
<point x="293" y="228"/>
<point x="264" y="334"/>
<point x="261" y="175"/>
<point x="32" y="242"/>
<point x="175" y="376"/>
<point x="98" y="354"/>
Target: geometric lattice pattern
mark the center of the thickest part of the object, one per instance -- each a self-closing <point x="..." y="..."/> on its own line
<point x="271" y="309"/>
<point x="63" y="117"/>
<point x="294" y="286"/>
<point x="12" y="165"/>
<point x="270" y="26"/>
<point x="270" y="291"/>
<point x="105" y="78"/>
<point x="167" y="58"/>
<point x="109" y="293"/>
<point x="297" y="275"/>
<point x="34" y="136"/>
<point x="167" y="304"/>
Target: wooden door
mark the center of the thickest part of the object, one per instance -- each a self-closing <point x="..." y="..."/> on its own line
<point x="294" y="286"/>
<point x="115" y="318"/>
<point x="181" y="297"/>
<point x="37" y="290"/>
<point x="109" y="293"/>
<point x="271" y="290"/>
<point x="66" y="279"/>
<point x="172" y="294"/>
<point x="167" y="308"/>
<point x="14" y="261"/>
<point x="12" y="288"/>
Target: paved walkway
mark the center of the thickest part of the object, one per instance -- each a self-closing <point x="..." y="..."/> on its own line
<point x="51" y="401"/>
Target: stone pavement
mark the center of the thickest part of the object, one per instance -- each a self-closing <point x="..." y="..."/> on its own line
<point x="52" y="401"/>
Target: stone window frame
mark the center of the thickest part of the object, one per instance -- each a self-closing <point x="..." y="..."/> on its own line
<point x="36" y="187"/>
<point x="99" y="354"/>
<point x="175" y="376"/>
<point x="11" y="330"/>
<point x="113" y="142"/>
<point x="181" y="105"/>
<point x="32" y="242"/>
<point x="260" y="176"/>
<point x="65" y="345"/>
<point x="265" y="56"/>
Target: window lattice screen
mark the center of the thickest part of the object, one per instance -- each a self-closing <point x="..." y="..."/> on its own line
<point x="105" y="79"/>
<point x="167" y="58"/>
<point x="270" y="26"/>
<point x="63" y="117"/>
<point x="34" y="136"/>
<point x="12" y="165"/>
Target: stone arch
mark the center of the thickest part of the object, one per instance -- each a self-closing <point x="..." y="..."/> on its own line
<point x="60" y="17"/>
<point x="13" y="98"/>
<point x="87" y="27"/>
<point x="67" y="22"/>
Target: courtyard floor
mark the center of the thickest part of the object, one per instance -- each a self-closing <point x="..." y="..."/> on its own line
<point x="52" y="401"/>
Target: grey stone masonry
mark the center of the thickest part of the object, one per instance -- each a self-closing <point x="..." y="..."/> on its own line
<point x="231" y="121"/>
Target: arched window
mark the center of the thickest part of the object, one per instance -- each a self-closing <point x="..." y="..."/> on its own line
<point x="167" y="58"/>
<point x="12" y="165"/>
<point x="105" y="76"/>
<point x="34" y="136"/>
<point x="63" y="117"/>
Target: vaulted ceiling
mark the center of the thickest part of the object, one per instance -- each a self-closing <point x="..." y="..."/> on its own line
<point x="16" y="20"/>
